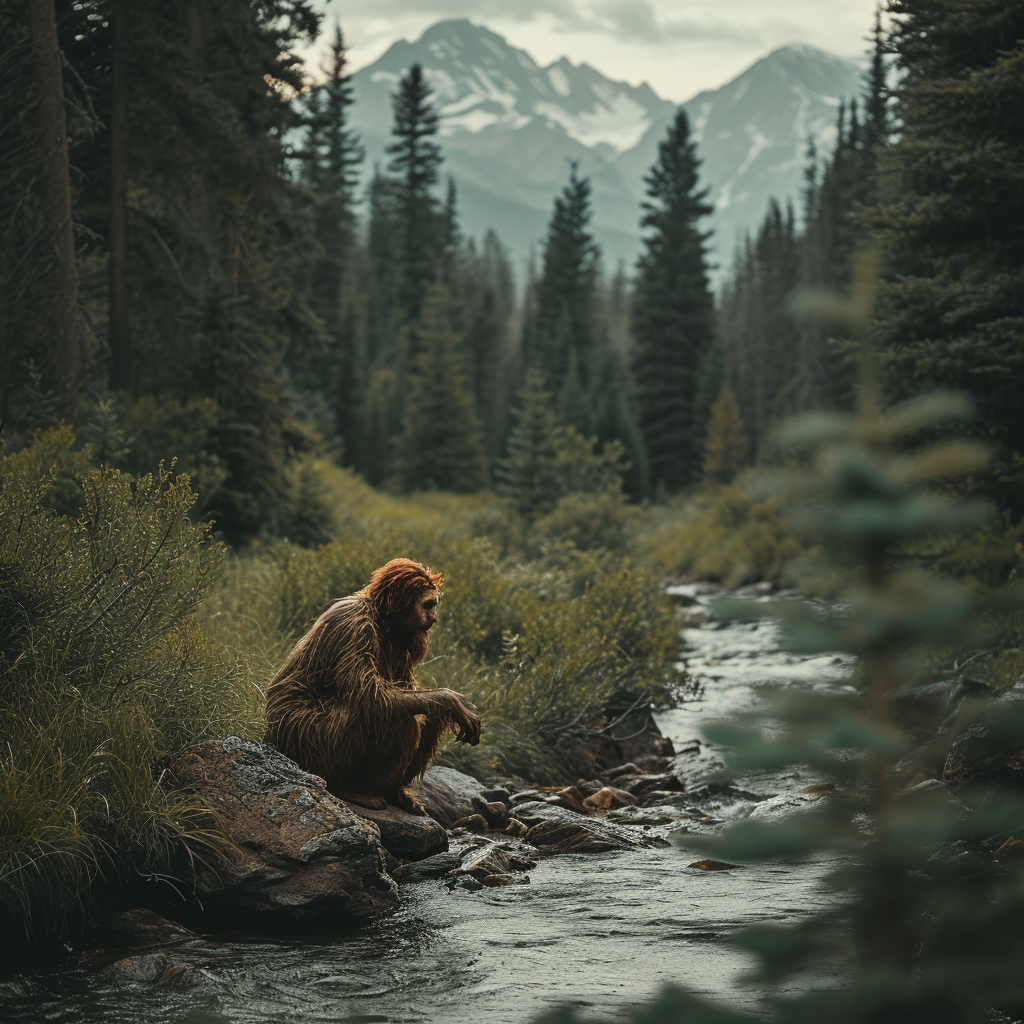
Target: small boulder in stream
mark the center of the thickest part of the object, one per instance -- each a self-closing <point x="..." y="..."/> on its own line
<point x="554" y="829"/>
<point x="981" y="761"/>
<point x="448" y="795"/>
<point x="407" y="836"/>
<point x="299" y="853"/>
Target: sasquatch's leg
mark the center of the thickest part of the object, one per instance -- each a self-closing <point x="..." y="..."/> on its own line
<point x="430" y="735"/>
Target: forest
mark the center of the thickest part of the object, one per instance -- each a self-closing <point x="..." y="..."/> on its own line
<point x="233" y="382"/>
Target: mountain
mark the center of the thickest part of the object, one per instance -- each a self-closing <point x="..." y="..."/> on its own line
<point x="509" y="129"/>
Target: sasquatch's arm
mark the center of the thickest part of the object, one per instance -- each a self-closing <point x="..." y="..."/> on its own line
<point x="444" y="707"/>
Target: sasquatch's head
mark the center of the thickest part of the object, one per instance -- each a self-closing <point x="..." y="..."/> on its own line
<point x="405" y="596"/>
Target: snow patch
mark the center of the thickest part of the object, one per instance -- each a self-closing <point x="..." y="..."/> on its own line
<point x="559" y="80"/>
<point x="475" y="120"/>
<point x="620" y="124"/>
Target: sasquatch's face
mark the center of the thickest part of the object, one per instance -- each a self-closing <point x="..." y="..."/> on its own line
<point x="424" y="611"/>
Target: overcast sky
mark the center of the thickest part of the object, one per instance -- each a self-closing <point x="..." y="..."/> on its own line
<point x="678" y="46"/>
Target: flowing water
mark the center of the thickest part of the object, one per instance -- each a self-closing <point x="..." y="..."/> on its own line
<point x="600" y="931"/>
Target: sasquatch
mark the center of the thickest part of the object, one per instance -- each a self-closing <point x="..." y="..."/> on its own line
<point x="345" y="704"/>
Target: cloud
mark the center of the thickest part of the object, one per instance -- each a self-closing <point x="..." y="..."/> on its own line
<point x="628" y="21"/>
<point x="636" y="21"/>
<point x="565" y="12"/>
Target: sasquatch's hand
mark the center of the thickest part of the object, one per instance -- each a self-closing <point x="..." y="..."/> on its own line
<point x="468" y="722"/>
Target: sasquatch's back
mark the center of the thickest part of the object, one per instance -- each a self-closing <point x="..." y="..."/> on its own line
<point x="317" y="702"/>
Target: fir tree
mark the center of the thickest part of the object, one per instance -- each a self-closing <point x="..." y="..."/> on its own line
<point x="415" y="160"/>
<point x="725" y="447"/>
<point x="673" y="312"/>
<point x="953" y="231"/>
<point x="563" y="330"/>
<point x="331" y="157"/>
<point x="758" y="336"/>
<point x="529" y="475"/>
<point x="488" y="301"/>
<point x="441" y="447"/>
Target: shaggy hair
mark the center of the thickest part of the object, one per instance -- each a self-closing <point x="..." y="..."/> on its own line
<point x="345" y="704"/>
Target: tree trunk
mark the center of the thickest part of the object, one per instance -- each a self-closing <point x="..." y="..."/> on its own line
<point x="119" y="332"/>
<point x="62" y="329"/>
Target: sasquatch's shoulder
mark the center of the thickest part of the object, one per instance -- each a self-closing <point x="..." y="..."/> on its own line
<point x="352" y="616"/>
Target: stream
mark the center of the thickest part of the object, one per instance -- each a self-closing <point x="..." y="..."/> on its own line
<point x="600" y="931"/>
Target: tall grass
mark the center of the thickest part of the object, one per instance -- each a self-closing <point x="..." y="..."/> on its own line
<point x="105" y="671"/>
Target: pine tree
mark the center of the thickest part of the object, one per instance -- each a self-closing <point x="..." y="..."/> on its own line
<point x="441" y="446"/>
<point x="673" y="311"/>
<point x="331" y="158"/>
<point x="725" y="447"/>
<point x="759" y="342"/>
<point x="415" y="160"/>
<point x="529" y="475"/>
<point x="953" y="230"/>
<point x="58" y="319"/>
<point x="488" y="303"/>
<point x="563" y="330"/>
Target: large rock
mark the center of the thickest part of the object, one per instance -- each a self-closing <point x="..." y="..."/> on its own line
<point x="981" y="762"/>
<point x="555" y="829"/>
<point x="300" y="854"/>
<point x="407" y="836"/>
<point x="637" y="735"/>
<point x="448" y="795"/>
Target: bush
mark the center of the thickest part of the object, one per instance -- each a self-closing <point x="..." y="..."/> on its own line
<point x="722" y="534"/>
<point x="104" y="673"/>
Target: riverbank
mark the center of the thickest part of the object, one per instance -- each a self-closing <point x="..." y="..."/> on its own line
<point x="602" y="929"/>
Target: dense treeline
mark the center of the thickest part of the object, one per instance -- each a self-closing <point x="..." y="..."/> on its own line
<point x="927" y="172"/>
<point x="205" y="279"/>
<point x="194" y="270"/>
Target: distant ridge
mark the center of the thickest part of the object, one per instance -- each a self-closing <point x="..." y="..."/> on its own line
<point x="510" y="128"/>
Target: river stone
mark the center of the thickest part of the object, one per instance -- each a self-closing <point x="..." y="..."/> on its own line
<point x="785" y="805"/>
<point x="555" y="829"/>
<point x="472" y="823"/>
<point x="638" y="785"/>
<point x="407" y="836"/>
<point x="980" y="764"/>
<point x="608" y="797"/>
<point x="300" y="853"/>
<point x="637" y="734"/>
<point x="142" y="928"/>
<point x="448" y="795"/>
<point x="656" y="815"/>
<point x="437" y="866"/>
<point x="498" y="858"/>
<point x="153" y="968"/>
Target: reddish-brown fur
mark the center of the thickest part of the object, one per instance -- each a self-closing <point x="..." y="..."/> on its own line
<point x="345" y="704"/>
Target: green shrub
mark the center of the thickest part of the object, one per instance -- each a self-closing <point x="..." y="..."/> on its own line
<point x="721" y="533"/>
<point x="104" y="673"/>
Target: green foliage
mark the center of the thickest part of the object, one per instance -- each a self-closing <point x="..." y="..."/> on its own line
<point x="725" y="447"/>
<point x="104" y="673"/>
<point x="952" y="309"/>
<point x="558" y="480"/>
<point x="161" y="428"/>
<point x="563" y="335"/>
<point x="721" y="533"/>
<point x="415" y="159"/>
<point x="441" y="446"/>
<point x="528" y="475"/>
<point x="673" y="311"/>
